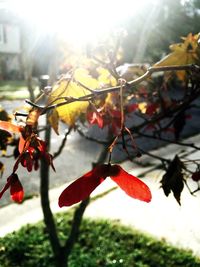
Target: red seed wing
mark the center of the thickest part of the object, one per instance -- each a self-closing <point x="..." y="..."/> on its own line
<point x="133" y="186"/>
<point x="82" y="187"/>
<point x="21" y="145"/>
<point x="9" y="127"/>
<point x="16" y="189"/>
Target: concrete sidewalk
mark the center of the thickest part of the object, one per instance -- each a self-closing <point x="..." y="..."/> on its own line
<point x="162" y="218"/>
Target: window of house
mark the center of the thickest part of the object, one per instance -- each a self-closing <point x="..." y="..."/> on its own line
<point x="2" y="34"/>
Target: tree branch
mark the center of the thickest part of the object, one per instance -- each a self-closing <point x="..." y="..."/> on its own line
<point x="64" y="140"/>
<point x="130" y="84"/>
<point x="78" y="215"/>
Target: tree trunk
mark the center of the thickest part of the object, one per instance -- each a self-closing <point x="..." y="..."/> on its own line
<point x="61" y="253"/>
<point x="45" y="203"/>
<point x="78" y="214"/>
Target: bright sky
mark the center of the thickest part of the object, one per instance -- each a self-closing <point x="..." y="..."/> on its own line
<point x="81" y="20"/>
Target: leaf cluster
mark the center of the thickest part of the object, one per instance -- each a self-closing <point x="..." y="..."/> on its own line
<point x="126" y="109"/>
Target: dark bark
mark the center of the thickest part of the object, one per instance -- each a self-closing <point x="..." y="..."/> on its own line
<point x="45" y="203"/>
<point x="78" y="216"/>
<point x="61" y="253"/>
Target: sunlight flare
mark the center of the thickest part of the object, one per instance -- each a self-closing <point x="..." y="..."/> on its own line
<point x="80" y="21"/>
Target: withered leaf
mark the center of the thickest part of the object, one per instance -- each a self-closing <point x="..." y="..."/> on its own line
<point x="172" y="180"/>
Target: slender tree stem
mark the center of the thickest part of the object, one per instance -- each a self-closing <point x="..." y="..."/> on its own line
<point x="147" y="74"/>
<point x="45" y="203"/>
<point x="78" y="214"/>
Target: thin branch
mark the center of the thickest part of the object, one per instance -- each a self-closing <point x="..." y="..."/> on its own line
<point x="154" y="156"/>
<point x="139" y="134"/>
<point x="60" y="149"/>
<point x="96" y="92"/>
<point x="90" y="138"/>
<point x="74" y="233"/>
<point x="78" y="215"/>
<point x="163" y="160"/>
<point x="170" y="112"/>
<point x="84" y="86"/>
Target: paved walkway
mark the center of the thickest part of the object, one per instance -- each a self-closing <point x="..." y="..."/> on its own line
<point x="163" y="217"/>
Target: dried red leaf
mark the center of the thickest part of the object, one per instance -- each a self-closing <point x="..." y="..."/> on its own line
<point x="132" y="107"/>
<point x="114" y="113"/>
<point x="94" y="117"/>
<point x="32" y="149"/>
<point x="133" y="186"/>
<point x="83" y="187"/>
<point x="151" y="109"/>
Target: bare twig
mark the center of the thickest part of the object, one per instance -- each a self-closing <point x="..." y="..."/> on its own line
<point x="130" y="84"/>
<point x="60" y="149"/>
<point x="139" y="134"/>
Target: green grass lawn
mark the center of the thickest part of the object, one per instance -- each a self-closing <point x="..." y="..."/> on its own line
<point x="13" y="90"/>
<point x="101" y="243"/>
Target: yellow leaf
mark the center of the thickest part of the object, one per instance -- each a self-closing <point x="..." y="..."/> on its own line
<point x="178" y="57"/>
<point x="105" y="78"/>
<point x="112" y="99"/>
<point x="68" y="113"/>
<point x="142" y="107"/>
<point x="182" y="54"/>
<point x="81" y="75"/>
<point x="53" y="119"/>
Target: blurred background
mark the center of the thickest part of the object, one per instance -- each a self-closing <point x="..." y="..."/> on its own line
<point x="33" y="34"/>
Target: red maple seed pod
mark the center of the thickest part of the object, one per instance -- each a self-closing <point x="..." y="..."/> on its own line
<point x="26" y="161"/>
<point x="16" y="189"/>
<point x="83" y="187"/>
<point x="36" y="164"/>
<point x="132" y="186"/>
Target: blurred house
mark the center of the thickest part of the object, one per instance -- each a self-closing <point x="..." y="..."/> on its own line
<point x="10" y="46"/>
